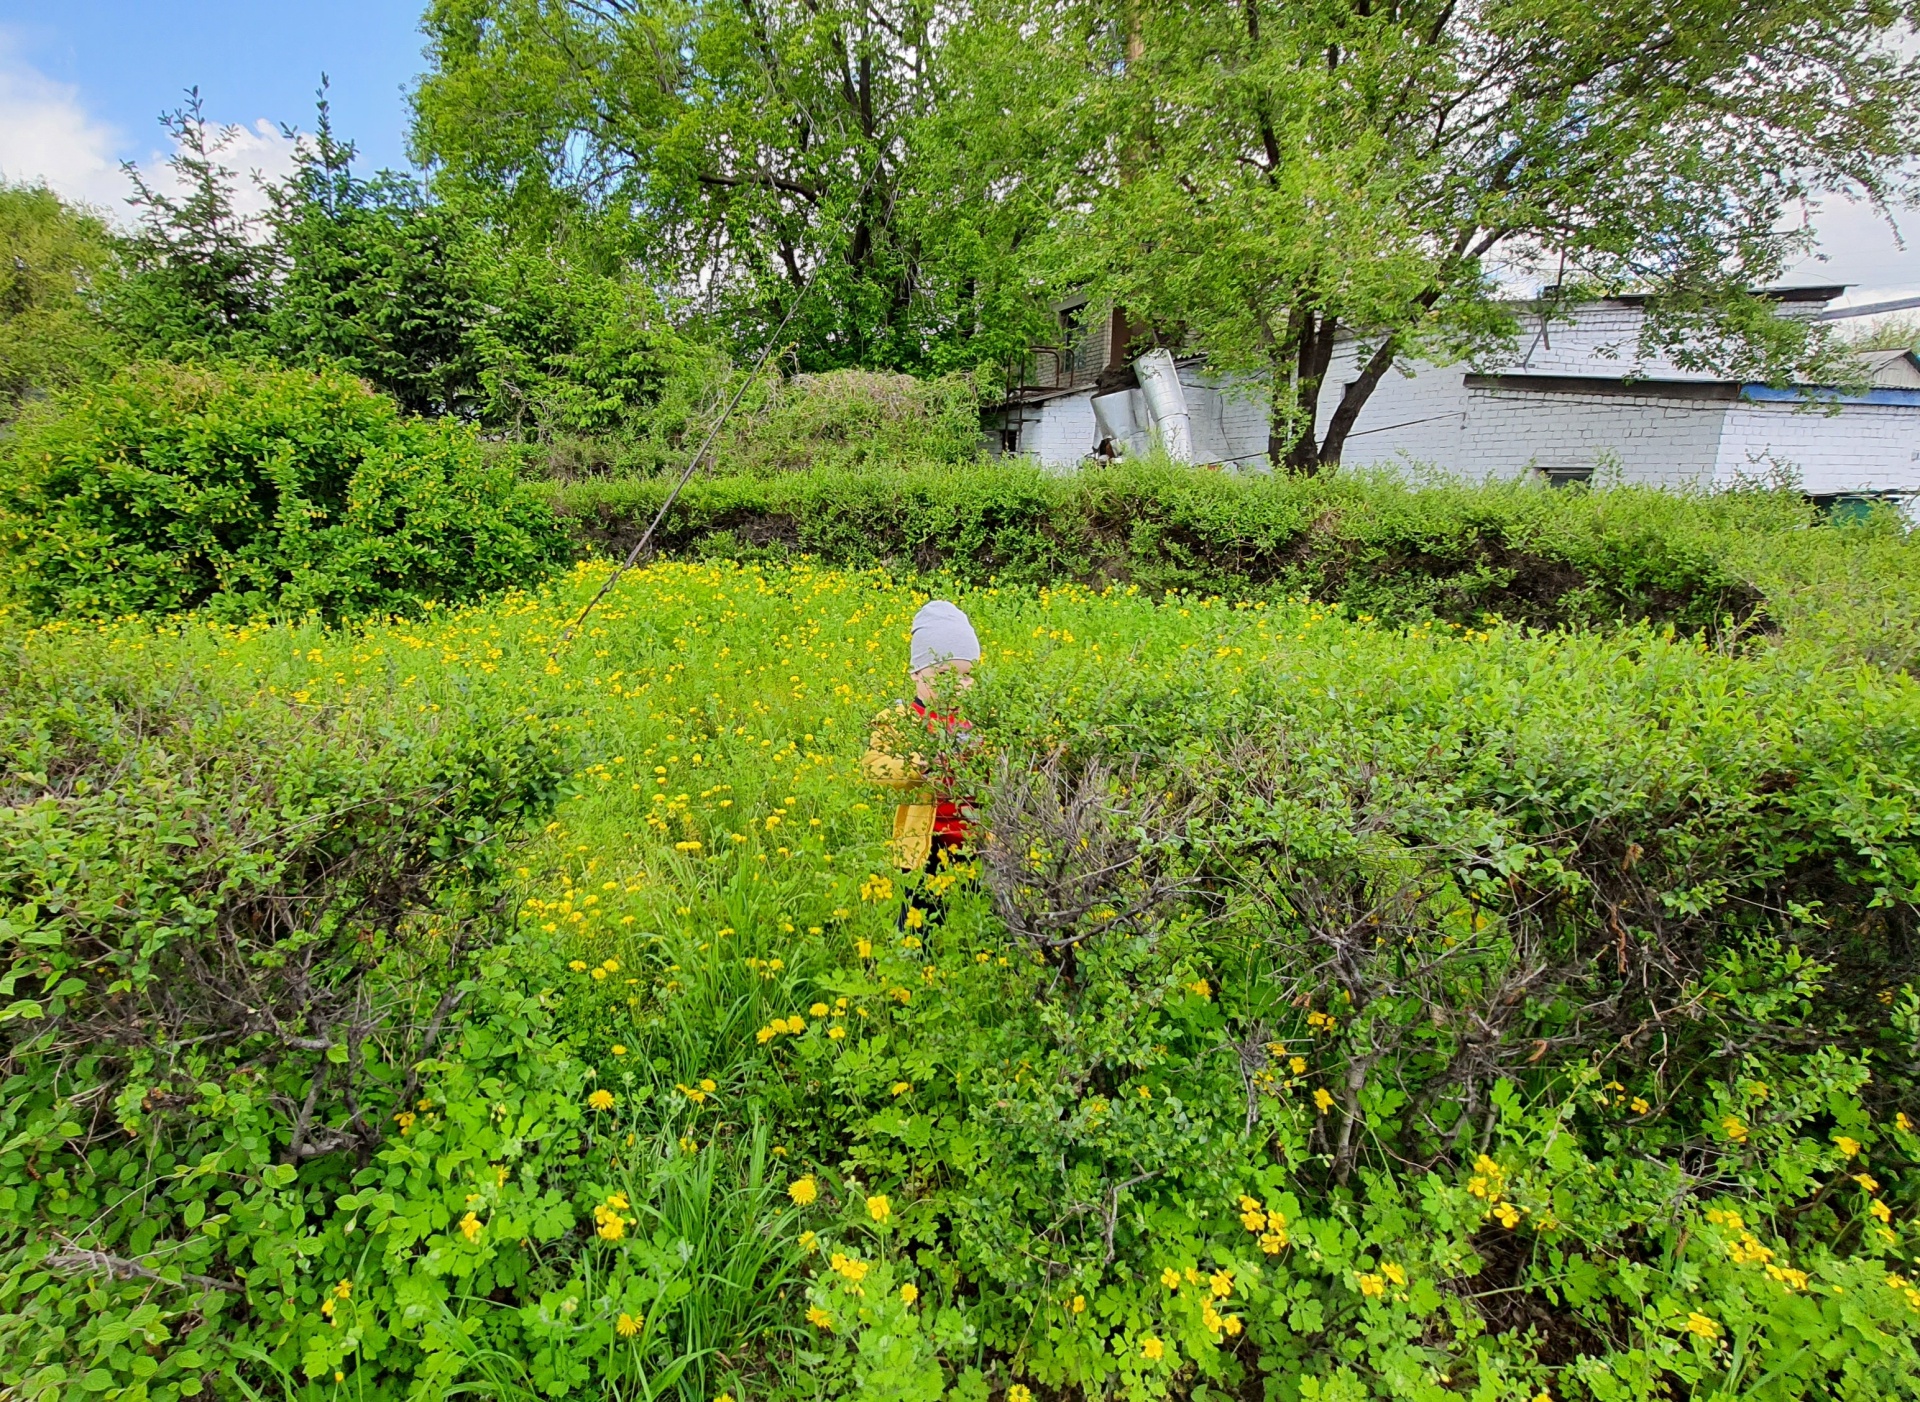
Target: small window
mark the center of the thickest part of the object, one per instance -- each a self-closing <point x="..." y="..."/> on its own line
<point x="1566" y="476"/>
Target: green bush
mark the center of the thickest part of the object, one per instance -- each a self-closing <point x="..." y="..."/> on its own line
<point x="1338" y="1012"/>
<point x="257" y="491"/>
<point x="1379" y="546"/>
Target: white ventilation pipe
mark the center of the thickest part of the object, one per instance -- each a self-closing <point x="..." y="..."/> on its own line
<point x="1166" y="402"/>
<point x="1118" y="419"/>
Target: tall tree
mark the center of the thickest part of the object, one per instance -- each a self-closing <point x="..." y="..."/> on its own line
<point x="1260" y="175"/>
<point x="53" y="256"/>
<point x="747" y="147"/>
<point x="197" y="271"/>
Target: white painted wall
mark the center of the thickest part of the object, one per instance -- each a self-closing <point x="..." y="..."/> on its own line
<point x="1864" y="447"/>
<point x="1424" y="415"/>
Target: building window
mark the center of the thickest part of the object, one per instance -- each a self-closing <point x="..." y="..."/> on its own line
<point x="1566" y="476"/>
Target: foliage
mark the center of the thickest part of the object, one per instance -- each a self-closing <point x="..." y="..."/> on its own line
<point x="257" y="491"/>
<point x="742" y="152"/>
<point x="52" y="255"/>
<point x="1455" y="552"/>
<point x="1259" y="177"/>
<point x="1480" y="1012"/>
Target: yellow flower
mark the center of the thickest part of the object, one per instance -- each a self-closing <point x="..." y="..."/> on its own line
<point x="579" y="966"/>
<point x="914" y="920"/>
<point x="601" y="1100"/>
<point x="809" y="1242"/>
<point x="1271" y="1242"/>
<point x="626" y="1326"/>
<point x="1370" y="1285"/>
<point x="863" y="949"/>
<point x="343" y="1289"/>
<point x="1200" y="988"/>
<point x="1903" y="1122"/>
<point x="470" y="1227"/>
<point x="803" y="1190"/>
<point x="836" y="1033"/>
<point x="612" y="1227"/>
<point x="1297" y="1065"/>
<point x="1019" y="1392"/>
<point x="1220" y="1284"/>
<point x="708" y="1086"/>
<point x="879" y="1208"/>
<point x="1639" y="1105"/>
<point x="1397" y="1274"/>
<point x="1736" y="1131"/>
<point x="902" y="1087"/>
<point x="619" y="1050"/>
<point x="617" y="1201"/>
<point x="1078" y="1304"/>
<point x="1509" y="1218"/>
<point x="909" y="1293"/>
<point x="1698" y="1323"/>
<point x="1849" y="1147"/>
<point x="1867" y="1181"/>
<point x="820" y="1319"/>
<point x="817" y="1010"/>
<point x="1322" y="1101"/>
<point x="1880" y="1211"/>
<point x="1151" y="1347"/>
<point x="1170" y="1278"/>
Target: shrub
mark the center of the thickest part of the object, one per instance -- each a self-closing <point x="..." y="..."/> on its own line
<point x="257" y="491"/>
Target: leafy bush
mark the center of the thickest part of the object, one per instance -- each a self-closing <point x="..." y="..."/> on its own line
<point x="1338" y="1012"/>
<point x="1400" y="553"/>
<point x="257" y="491"/>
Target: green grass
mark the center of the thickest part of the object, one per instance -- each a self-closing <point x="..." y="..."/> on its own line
<point x="1497" y="809"/>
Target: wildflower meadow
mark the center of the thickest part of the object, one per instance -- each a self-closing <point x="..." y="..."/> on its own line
<point x="1328" y="1010"/>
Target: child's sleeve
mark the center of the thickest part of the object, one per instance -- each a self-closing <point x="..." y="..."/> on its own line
<point x="881" y="764"/>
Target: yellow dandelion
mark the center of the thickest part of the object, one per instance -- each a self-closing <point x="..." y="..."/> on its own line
<point x="601" y="1100"/>
<point x="804" y="1191"/>
<point x="909" y="1293"/>
<point x="627" y="1325"/>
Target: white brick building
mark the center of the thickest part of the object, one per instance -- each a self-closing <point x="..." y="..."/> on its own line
<point x="1573" y="398"/>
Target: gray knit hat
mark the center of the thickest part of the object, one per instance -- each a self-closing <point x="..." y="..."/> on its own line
<point x="941" y="633"/>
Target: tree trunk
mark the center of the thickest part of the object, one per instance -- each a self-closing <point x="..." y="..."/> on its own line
<point x="1299" y="368"/>
<point x="1354" y="399"/>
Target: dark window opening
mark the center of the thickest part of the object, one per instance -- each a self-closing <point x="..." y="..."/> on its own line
<point x="1566" y="476"/>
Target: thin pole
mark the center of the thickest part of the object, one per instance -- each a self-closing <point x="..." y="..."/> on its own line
<point x="641" y="546"/>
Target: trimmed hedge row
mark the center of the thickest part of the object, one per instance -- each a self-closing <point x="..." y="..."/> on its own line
<point x="1519" y="550"/>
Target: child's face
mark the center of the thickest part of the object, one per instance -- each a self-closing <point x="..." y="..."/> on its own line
<point x="948" y="679"/>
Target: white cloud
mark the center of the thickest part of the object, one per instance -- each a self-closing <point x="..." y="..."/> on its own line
<point x="47" y="134"/>
<point x="1856" y="247"/>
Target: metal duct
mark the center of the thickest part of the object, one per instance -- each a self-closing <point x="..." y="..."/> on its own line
<point x="1166" y="403"/>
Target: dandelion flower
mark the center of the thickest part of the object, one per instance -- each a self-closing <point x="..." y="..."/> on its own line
<point x="627" y="1325"/>
<point x="804" y="1191"/>
<point x="817" y="1010"/>
<point x="601" y="1099"/>
<point x="902" y="1087"/>
<point x="820" y="1319"/>
<point x="619" y="1050"/>
<point x="909" y="1293"/>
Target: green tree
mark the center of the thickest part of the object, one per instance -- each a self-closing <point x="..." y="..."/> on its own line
<point x="1257" y="177"/>
<point x="197" y="273"/>
<point x="744" y="150"/>
<point x="52" y="258"/>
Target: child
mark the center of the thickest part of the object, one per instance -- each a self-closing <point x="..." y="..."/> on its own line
<point x="915" y="745"/>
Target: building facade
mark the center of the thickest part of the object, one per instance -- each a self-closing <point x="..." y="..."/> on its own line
<point x="1574" y="399"/>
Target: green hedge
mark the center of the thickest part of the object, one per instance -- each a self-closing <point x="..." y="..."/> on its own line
<point x="253" y="491"/>
<point x="1518" y="550"/>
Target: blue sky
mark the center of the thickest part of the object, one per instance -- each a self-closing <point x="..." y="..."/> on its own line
<point x="82" y="82"/>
